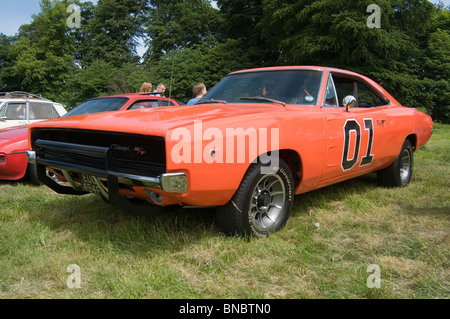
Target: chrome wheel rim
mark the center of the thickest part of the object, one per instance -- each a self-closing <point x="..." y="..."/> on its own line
<point x="267" y="202"/>
<point x="405" y="166"/>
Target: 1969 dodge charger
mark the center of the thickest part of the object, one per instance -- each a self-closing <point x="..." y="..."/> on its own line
<point x="257" y="138"/>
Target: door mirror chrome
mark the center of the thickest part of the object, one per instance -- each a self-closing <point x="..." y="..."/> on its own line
<point x="349" y="101"/>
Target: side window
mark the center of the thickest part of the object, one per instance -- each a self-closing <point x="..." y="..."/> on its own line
<point x="144" y="105"/>
<point x="55" y="112"/>
<point x="330" y="93"/>
<point x="344" y="87"/>
<point x="16" y="111"/>
<point x="40" y="111"/>
<point x="166" y="103"/>
<point x="365" y="96"/>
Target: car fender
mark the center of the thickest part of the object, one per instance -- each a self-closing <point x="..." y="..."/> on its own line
<point x="215" y="155"/>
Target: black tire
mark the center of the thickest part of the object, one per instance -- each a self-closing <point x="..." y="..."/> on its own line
<point x="261" y="205"/>
<point x="400" y="171"/>
<point x="32" y="174"/>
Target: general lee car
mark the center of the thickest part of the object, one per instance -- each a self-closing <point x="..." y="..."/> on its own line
<point x="255" y="140"/>
<point x="14" y="139"/>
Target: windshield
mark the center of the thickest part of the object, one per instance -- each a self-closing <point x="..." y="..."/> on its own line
<point x="273" y="86"/>
<point x="98" y="105"/>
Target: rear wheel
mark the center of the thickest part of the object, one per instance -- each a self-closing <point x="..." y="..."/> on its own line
<point x="400" y="171"/>
<point x="261" y="205"/>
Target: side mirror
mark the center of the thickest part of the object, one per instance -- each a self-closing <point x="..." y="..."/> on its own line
<point x="349" y="101"/>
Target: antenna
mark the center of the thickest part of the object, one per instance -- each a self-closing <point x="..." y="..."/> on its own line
<point x="171" y="77"/>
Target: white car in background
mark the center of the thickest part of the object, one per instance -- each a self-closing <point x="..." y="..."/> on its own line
<point x="19" y="108"/>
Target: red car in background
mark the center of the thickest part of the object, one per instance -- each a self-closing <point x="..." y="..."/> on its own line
<point x="14" y="140"/>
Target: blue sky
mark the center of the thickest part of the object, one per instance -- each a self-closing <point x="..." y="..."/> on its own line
<point x="14" y="13"/>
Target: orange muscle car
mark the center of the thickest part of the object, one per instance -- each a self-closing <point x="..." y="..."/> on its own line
<point x="257" y="138"/>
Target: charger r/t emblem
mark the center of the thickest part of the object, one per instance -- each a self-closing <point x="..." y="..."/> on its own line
<point x="139" y="150"/>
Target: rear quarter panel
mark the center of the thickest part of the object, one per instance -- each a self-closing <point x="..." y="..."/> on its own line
<point x="404" y="122"/>
<point x="398" y="126"/>
<point x="423" y="128"/>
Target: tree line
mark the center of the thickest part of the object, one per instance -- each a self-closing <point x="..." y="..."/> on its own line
<point x="193" y="41"/>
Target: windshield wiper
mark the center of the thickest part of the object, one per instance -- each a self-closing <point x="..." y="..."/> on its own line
<point x="260" y="98"/>
<point x="212" y="101"/>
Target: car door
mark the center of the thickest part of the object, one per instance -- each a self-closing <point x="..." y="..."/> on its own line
<point x="355" y="136"/>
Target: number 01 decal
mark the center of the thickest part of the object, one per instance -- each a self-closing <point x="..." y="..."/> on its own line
<point x="353" y="125"/>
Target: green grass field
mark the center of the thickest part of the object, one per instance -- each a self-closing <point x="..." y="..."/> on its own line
<point x="404" y="231"/>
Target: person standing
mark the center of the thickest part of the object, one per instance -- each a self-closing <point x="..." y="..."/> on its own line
<point x="160" y="89"/>
<point x="146" y="87"/>
<point x="199" y="91"/>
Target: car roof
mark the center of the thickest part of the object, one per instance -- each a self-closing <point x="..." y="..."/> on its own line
<point x="274" y="68"/>
<point x="298" y="67"/>
<point x="137" y="95"/>
<point x="21" y="96"/>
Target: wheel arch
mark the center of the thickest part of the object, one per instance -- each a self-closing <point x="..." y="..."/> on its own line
<point x="292" y="159"/>
<point x="413" y="139"/>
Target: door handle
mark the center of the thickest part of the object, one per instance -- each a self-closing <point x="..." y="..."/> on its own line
<point x="381" y="122"/>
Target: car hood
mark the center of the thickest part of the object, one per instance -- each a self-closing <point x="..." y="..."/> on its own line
<point x="14" y="139"/>
<point x="13" y="132"/>
<point x="158" y="121"/>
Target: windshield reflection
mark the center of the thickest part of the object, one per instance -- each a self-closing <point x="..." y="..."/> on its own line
<point x="98" y="105"/>
<point x="273" y="86"/>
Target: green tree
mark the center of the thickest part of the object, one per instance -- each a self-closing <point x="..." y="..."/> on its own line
<point x="111" y="31"/>
<point x="435" y="67"/>
<point x="330" y="32"/>
<point x="88" y="83"/>
<point x="5" y="44"/>
<point x="83" y="35"/>
<point x="8" y="82"/>
<point x="244" y="22"/>
<point x="408" y="54"/>
<point x="181" y="69"/>
<point x="178" y="24"/>
<point x="43" y="53"/>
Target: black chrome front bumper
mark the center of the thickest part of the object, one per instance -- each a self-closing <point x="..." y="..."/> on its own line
<point x="168" y="182"/>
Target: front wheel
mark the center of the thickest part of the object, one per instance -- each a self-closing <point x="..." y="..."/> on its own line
<point x="400" y="171"/>
<point x="261" y="205"/>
